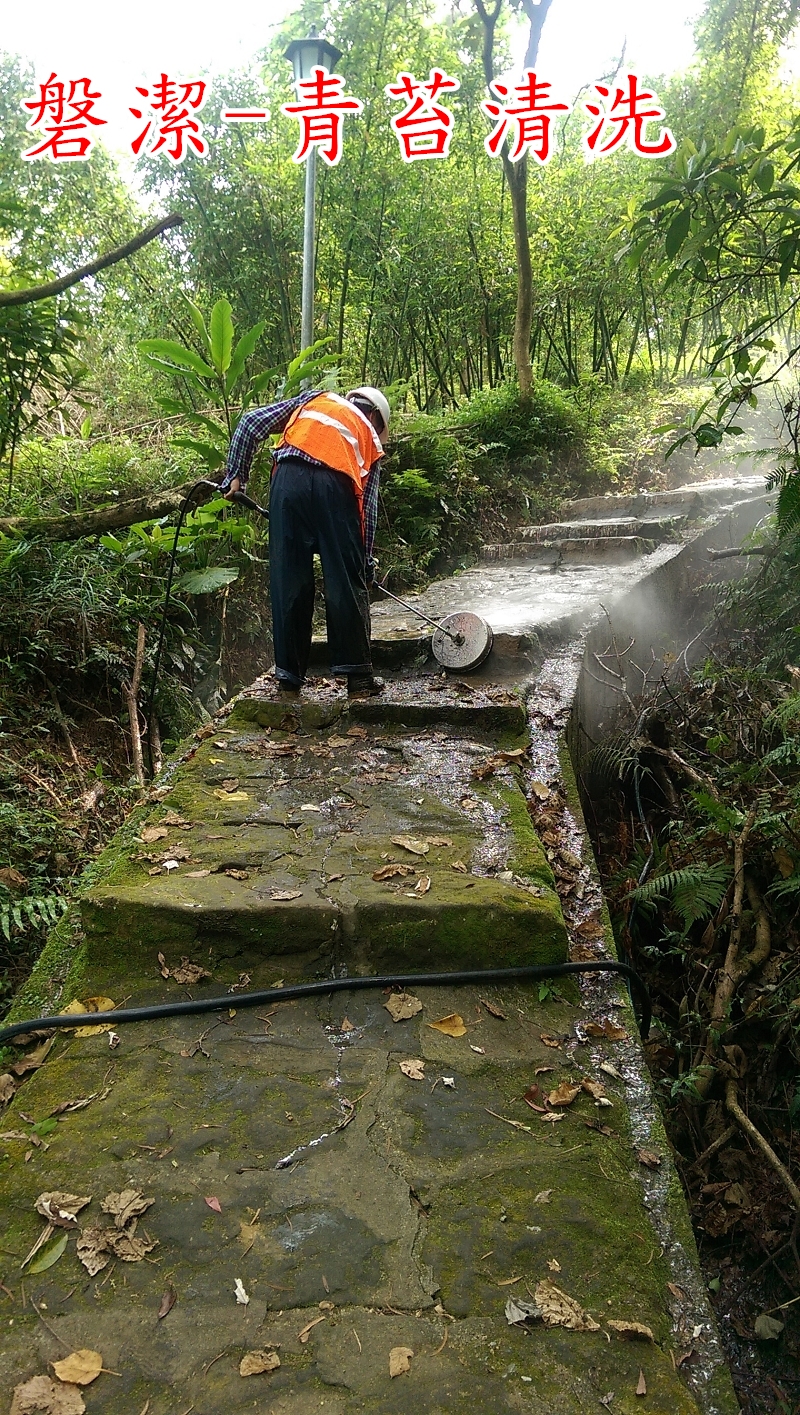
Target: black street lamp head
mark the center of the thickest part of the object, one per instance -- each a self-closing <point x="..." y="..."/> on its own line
<point x="306" y="54"/>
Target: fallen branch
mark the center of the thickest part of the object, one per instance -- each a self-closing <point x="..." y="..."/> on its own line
<point x="745" y="1123"/>
<point x="730" y="973"/>
<point x="131" y="692"/>
<point x="76" y="524"/>
<point x="715" y="1145"/>
<point x="698" y="777"/>
<point x="65" y="732"/>
<point x="739" y="550"/>
<point x="56" y="287"/>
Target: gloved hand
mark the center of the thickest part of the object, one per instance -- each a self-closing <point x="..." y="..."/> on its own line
<point x="231" y="490"/>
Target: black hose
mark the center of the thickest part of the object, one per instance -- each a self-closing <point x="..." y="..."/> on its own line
<point x="329" y="985"/>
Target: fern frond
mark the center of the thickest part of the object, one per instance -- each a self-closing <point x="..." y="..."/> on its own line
<point x="789" y="504"/>
<point x="693" y="892"/>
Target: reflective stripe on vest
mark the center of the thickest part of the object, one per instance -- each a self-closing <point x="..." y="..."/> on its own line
<point x="338" y="434"/>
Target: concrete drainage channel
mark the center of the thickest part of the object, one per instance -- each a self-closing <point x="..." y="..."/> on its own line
<point x="484" y="1184"/>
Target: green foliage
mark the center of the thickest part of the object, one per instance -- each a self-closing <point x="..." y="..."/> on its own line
<point x="694" y="892"/>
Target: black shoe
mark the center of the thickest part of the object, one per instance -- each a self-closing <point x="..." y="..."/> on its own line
<point x="287" y="692"/>
<point x="364" y="685"/>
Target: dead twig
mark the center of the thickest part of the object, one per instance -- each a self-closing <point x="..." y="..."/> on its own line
<point x="698" y="777"/>
<point x="715" y="1145"/>
<point x="733" y="1107"/>
<point x="131" y="694"/>
<point x="731" y="972"/>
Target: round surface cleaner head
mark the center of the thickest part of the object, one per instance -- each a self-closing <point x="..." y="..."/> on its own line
<point x="461" y="642"/>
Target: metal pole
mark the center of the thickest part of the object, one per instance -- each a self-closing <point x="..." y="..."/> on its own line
<point x="307" y="316"/>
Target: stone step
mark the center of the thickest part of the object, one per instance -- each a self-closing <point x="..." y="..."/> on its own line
<point x="618" y="549"/>
<point x="661" y="528"/>
<point x="287" y="814"/>
<point x="691" y="501"/>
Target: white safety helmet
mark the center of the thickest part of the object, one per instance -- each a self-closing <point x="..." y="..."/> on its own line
<point x="376" y="399"/>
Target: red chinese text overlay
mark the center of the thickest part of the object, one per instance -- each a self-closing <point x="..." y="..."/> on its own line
<point x="63" y="113"/>
<point x="424" y="128"/>
<point x="321" y="114"/>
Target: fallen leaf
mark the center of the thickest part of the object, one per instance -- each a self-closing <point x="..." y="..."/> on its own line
<point x="540" y="1070"/>
<point x="80" y="1368"/>
<point x="231" y="795"/>
<point x="480" y="1050"/>
<point x="236" y="874"/>
<point x="310" y="807"/>
<point x="784" y="862"/>
<point x="543" y="1197"/>
<point x="459" y="867"/>
<point x="518" y="1311"/>
<point x="554" y="1115"/>
<point x="648" y="1158"/>
<point x="767" y="1328"/>
<point x="213" y="1203"/>
<point x="8" y="1087"/>
<point x="43" y="1394"/>
<point x="550" y="1041"/>
<point x="438" y="840"/>
<point x="281" y="895"/>
<point x="126" y="1246"/>
<point x="452" y="1025"/>
<point x="332" y="878"/>
<point x="423" y="884"/>
<point x="607" y="1029"/>
<point x="357" y="732"/>
<point x="634" y="1331"/>
<point x="449" y="1082"/>
<point x="303" y="1335"/>
<point x="347" y="1025"/>
<point x="241" y="1296"/>
<point x="593" y="1088"/>
<point x="125" y="1205"/>
<point x="230" y="784"/>
<point x="611" y="1070"/>
<point x="554" y="1265"/>
<point x="92" y="1250"/>
<point x="596" y="1125"/>
<point x="60" y="1209"/>
<point x="392" y="871"/>
<point x="49" y="1254"/>
<point x="564" y="1094"/>
<point x="338" y="742"/>
<point x="641" y="1384"/>
<point x="400" y="1360"/>
<point x="187" y="972"/>
<point x="402" y="1005"/>
<point x="408" y="842"/>
<point x="541" y="791"/>
<point x="560" y="1310"/>
<point x="12" y="878"/>
<point x="415" y="1070"/>
<point x="255" y="1363"/>
<point x="89" y="1004"/>
<point x="33" y="1060"/>
<point x="172" y="818"/>
<point x="197" y="874"/>
<point x="167" y="1303"/>
<point x="493" y="1009"/>
<point x="153" y="832"/>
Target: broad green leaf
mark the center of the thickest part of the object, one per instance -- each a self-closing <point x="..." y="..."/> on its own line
<point x="212" y="456"/>
<point x="764" y="177"/>
<point x="214" y="429"/>
<point x="242" y="352"/>
<point x="677" y="232"/>
<point x="110" y="542"/>
<point x="170" y="352"/>
<point x="200" y="325"/>
<point x="86" y="429"/>
<point x="221" y="335"/>
<point x="49" y="1254"/>
<point x="206" y="581"/>
<point x="665" y="196"/>
<point x="262" y="379"/>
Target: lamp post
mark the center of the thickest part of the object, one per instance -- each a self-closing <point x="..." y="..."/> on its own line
<point x="305" y="55"/>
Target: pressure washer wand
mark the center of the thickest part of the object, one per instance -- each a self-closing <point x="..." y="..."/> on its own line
<point x="457" y="638"/>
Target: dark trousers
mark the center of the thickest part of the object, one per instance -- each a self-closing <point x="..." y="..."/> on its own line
<point x="313" y="510"/>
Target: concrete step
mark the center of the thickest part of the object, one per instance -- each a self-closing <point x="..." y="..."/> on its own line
<point x="289" y="812"/>
<point x="655" y="528"/>
<point x="610" y="549"/>
<point x="692" y="501"/>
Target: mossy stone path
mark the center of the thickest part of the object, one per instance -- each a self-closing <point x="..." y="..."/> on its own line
<point x="361" y="1209"/>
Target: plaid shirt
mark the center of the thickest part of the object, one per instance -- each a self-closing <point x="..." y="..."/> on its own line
<point x="255" y="427"/>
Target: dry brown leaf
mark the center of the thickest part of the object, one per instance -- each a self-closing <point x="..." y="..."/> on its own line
<point x="400" y="1360"/>
<point x="452" y="1025"/>
<point x="493" y="1009"/>
<point x="333" y="878"/>
<point x="541" y="791"/>
<point x="634" y="1331"/>
<point x="641" y="1384"/>
<point x="649" y="1159"/>
<point x="197" y="874"/>
<point x="543" y="1197"/>
<point x="80" y="1368"/>
<point x="393" y="871"/>
<point x="213" y="1203"/>
<point x="459" y="867"/>
<point x="414" y="1069"/>
<point x="402" y="1005"/>
<point x="309" y="806"/>
<point x="411" y="844"/>
<point x="357" y="732"/>
<point x="564" y="1094"/>
<point x="127" y="1247"/>
<point x="438" y="840"/>
<point x="47" y="1397"/>
<point x="92" y="1250"/>
<point x="60" y="1209"/>
<point x="187" y="972"/>
<point x="8" y="1087"/>
<point x="125" y="1205"/>
<point x="231" y="795"/>
<point x="89" y="1004"/>
<point x="236" y="874"/>
<point x="172" y="818"/>
<point x="593" y="1088"/>
<point x="282" y="895"/>
<point x="560" y="1310"/>
<point x="554" y="1116"/>
<point x="347" y="1025"/>
<point x="549" y="1041"/>
<point x="153" y="832"/>
<point x="338" y="742"/>
<point x="423" y="884"/>
<point x="784" y="862"/>
<point x="607" y="1029"/>
<point x="255" y="1363"/>
<point x="554" y="1265"/>
<point x="12" y="878"/>
<point x="167" y="1303"/>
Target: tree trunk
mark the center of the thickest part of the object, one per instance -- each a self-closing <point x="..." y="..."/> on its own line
<point x="55" y="287"/>
<point x="76" y="524"/>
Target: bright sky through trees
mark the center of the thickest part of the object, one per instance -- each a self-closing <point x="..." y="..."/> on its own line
<point x="119" y="47"/>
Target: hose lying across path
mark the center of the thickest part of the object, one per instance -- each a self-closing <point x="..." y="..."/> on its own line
<point x="331" y="985"/>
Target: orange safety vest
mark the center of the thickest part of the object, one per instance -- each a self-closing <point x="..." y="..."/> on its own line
<point x="338" y="434"/>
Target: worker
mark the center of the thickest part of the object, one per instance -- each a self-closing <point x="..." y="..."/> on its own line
<point x="323" y="499"/>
